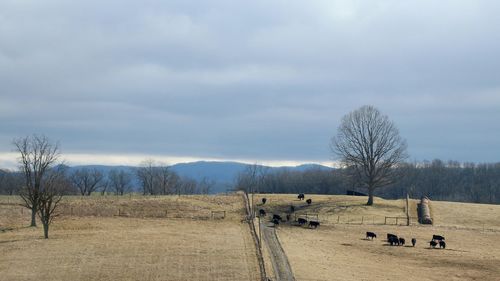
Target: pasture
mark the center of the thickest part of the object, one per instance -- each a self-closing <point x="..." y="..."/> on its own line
<point x="338" y="250"/>
<point x="130" y="238"/>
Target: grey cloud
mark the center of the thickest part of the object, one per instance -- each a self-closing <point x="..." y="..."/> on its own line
<point x="258" y="80"/>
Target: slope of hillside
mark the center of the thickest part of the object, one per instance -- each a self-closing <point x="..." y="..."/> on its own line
<point x="338" y="250"/>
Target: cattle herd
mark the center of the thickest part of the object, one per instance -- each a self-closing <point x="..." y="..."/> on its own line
<point x="277" y="219"/>
<point x="394" y="240"/>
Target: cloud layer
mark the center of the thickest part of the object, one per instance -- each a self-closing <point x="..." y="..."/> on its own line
<point x="261" y="80"/>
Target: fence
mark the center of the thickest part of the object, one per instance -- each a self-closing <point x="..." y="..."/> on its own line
<point x="123" y="211"/>
<point x="346" y="219"/>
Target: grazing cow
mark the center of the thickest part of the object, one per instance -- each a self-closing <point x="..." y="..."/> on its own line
<point x="389" y="235"/>
<point x="276" y="222"/>
<point x="262" y="212"/>
<point x="393" y="240"/>
<point x="277" y="217"/>
<point x="437" y="237"/>
<point x="301" y="196"/>
<point x="292" y="208"/>
<point x="302" y="221"/>
<point x="433" y="243"/>
<point x="370" y="235"/>
<point x="413" y="241"/>
<point x="314" y="224"/>
<point x="442" y="244"/>
<point x="264" y="200"/>
<point x="309" y="201"/>
<point x="401" y="241"/>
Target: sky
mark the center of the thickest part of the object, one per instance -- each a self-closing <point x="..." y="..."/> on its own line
<point x="255" y="81"/>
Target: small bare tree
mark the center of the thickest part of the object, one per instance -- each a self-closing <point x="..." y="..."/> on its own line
<point x="368" y="143"/>
<point x="10" y="182"/>
<point x="53" y="188"/>
<point x="206" y="185"/>
<point x="87" y="180"/>
<point x="146" y="176"/>
<point x="120" y="181"/>
<point x="37" y="155"/>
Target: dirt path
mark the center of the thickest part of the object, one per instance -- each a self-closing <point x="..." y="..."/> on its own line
<point x="281" y="266"/>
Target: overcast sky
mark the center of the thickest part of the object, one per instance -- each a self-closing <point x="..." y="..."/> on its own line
<point x="259" y="81"/>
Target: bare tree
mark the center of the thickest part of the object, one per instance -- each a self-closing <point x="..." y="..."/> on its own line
<point x="37" y="155"/>
<point x="120" y="181"/>
<point x="205" y="185"/>
<point x="188" y="186"/>
<point x="163" y="179"/>
<point x="87" y="180"/>
<point x="53" y="188"/>
<point x="250" y="180"/>
<point x="10" y="182"/>
<point x="146" y="175"/>
<point x="369" y="143"/>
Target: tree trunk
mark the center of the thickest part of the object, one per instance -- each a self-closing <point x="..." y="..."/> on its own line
<point x="46" y="230"/>
<point x="370" y="196"/>
<point x="33" y="216"/>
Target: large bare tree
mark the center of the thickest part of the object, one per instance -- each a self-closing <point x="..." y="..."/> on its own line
<point x="37" y="155"/>
<point x="369" y="145"/>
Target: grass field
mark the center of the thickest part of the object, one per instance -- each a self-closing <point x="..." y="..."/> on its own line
<point x="339" y="251"/>
<point x="176" y="238"/>
<point x="127" y="247"/>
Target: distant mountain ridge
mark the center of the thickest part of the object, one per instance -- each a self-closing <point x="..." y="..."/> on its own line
<point x="222" y="173"/>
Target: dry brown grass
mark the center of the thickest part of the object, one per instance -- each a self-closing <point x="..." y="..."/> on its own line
<point x="339" y="251"/>
<point x="127" y="248"/>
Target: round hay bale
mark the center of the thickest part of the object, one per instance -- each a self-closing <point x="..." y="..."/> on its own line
<point x="424" y="211"/>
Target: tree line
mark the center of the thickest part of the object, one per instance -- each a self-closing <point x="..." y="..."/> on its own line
<point x="43" y="180"/>
<point x="151" y="178"/>
<point x="437" y="179"/>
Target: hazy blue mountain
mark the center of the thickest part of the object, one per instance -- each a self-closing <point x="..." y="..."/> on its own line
<point x="223" y="173"/>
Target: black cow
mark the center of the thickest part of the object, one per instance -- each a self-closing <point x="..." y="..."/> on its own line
<point x="262" y="212"/>
<point x="401" y="241"/>
<point x="413" y="241"/>
<point x="437" y="237"/>
<point x="309" y="201"/>
<point x="433" y="244"/>
<point x="276" y="222"/>
<point x="370" y="235"/>
<point x="302" y="221"/>
<point x="442" y="244"/>
<point x="314" y="224"/>
<point x="264" y="200"/>
<point x="301" y="196"/>
<point x="277" y="217"/>
<point x="389" y="235"/>
<point x="393" y="240"/>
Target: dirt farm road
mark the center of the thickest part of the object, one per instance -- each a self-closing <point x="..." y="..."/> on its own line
<point x="281" y="266"/>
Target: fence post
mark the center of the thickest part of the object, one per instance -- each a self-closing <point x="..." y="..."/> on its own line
<point x="338" y="219"/>
<point x="385" y="220"/>
<point x="71" y="211"/>
<point x="166" y="213"/>
<point x="362" y="219"/>
<point x="397" y="220"/>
